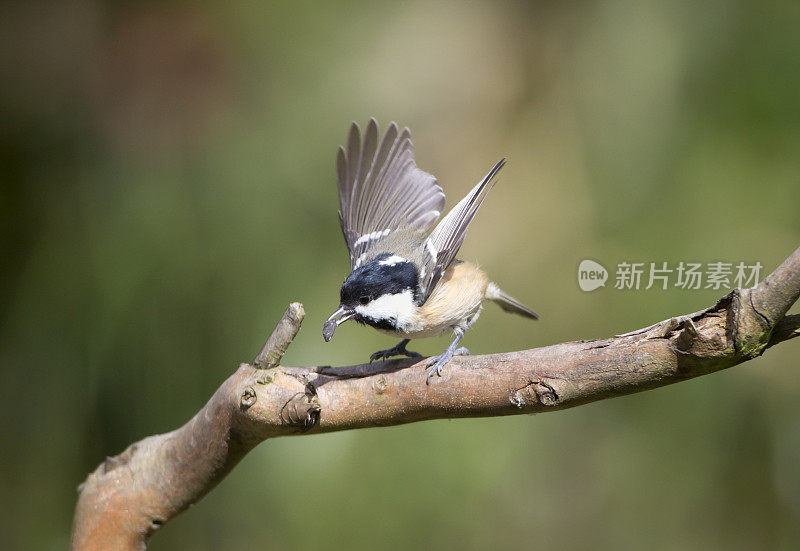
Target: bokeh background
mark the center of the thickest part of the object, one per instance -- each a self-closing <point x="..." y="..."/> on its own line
<point x="168" y="187"/>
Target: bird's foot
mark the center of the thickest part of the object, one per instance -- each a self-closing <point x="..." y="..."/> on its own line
<point x="437" y="362"/>
<point x="399" y="350"/>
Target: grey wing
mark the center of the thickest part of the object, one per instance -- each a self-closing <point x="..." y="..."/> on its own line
<point x="382" y="190"/>
<point x="446" y="239"/>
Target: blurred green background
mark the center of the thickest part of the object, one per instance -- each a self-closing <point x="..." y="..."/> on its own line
<point x="168" y="186"/>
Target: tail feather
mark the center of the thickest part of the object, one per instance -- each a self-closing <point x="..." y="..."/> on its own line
<point x="509" y="303"/>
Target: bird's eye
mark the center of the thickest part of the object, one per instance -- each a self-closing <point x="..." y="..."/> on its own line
<point x="363" y="300"/>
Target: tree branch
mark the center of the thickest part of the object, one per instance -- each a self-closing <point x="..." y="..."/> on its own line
<point x="128" y="497"/>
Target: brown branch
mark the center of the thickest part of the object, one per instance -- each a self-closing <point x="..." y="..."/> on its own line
<point x="280" y="339"/>
<point x="131" y="495"/>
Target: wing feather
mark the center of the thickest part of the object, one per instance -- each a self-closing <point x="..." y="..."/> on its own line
<point x="447" y="237"/>
<point x="381" y="189"/>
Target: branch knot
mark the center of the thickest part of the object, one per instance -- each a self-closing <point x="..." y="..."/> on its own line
<point x="302" y="411"/>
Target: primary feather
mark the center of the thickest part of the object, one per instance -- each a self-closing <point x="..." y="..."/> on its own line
<point x="381" y="190"/>
<point x="447" y="237"/>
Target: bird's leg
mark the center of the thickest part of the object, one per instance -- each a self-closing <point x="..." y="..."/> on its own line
<point x="437" y="362"/>
<point x="398" y="350"/>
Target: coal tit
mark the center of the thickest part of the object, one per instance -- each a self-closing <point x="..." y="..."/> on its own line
<point x="405" y="281"/>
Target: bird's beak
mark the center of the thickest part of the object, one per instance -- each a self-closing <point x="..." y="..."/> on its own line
<point x="339" y="316"/>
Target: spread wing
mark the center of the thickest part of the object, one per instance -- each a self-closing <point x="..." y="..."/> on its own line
<point x="382" y="190"/>
<point x="444" y="241"/>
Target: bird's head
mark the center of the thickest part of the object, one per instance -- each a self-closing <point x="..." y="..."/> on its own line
<point x="380" y="293"/>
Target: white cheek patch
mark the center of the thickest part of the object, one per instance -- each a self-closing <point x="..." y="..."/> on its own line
<point x="392" y="260"/>
<point x="399" y="306"/>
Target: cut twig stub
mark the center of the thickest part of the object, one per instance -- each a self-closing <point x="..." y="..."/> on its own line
<point x="281" y="337"/>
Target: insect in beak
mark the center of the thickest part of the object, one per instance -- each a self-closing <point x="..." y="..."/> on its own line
<point x="339" y="316"/>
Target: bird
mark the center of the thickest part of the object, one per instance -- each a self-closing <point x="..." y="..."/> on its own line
<point x="405" y="279"/>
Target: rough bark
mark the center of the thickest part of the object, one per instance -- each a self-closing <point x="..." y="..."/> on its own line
<point x="128" y="497"/>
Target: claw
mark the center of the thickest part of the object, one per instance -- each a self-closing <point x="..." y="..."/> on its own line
<point x="436" y="363"/>
<point x="398" y="350"/>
